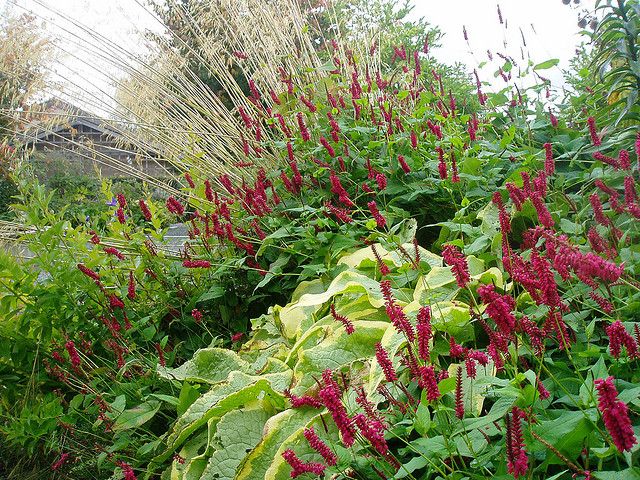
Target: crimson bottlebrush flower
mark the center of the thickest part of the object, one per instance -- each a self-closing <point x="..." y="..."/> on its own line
<point x="455" y="349"/>
<point x="591" y="123"/>
<point x="348" y="325"/>
<point x="542" y="391"/>
<point x="274" y="97"/>
<point x="298" y="467"/>
<point x="304" y="131"/>
<point x="144" y="208"/>
<point x="325" y="143"/>
<point x="454" y="169"/>
<point x="544" y="217"/>
<point x="319" y="446"/>
<point x="548" y="286"/>
<point x="470" y="366"/>
<point x="236" y="337"/>
<point x="95" y="239"/>
<point x="340" y="213"/>
<point x="120" y="215"/>
<point x="503" y="216"/>
<point x="403" y="164"/>
<point x="58" y="464"/>
<point x="623" y="160"/>
<point x="309" y="104"/>
<point x="122" y="201"/>
<point x="516" y="195"/>
<point x="381" y="180"/>
<point x="384" y="270"/>
<point x="239" y="54"/>
<point x="196" y="264"/>
<point x="385" y="363"/>
<point x="499" y="308"/>
<point x="456" y="260"/>
<point x="619" y="337"/>
<point x="549" y="162"/>
<point x="517" y="460"/>
<point x="373" y="208"/>
<point x="248" y="122"/>
<point x="197" y="315"/>
<point x="114" y="251"/>
<point x="602" y="302"/>
<point x="189" y="180"/>
<point x="160" y="352"/>
<point x="606" y="159"/>
<point x="458" y="395"/>
<point x="208" y="191"/>
<point x="372" y="430"/>
<point x="290" y="152"/>
<point x="131" y="288"/>
<point x="429" y="383"/>
<point x="304" y="401"/>
<point x="330" y="396"/>
<point x="115" y="302"/>
<point x="424" y="332"/>
<point x="442" y="166"/>
<point x="553" y="119"/>
<point x="88" y="272"/>
<point x="73" y="354"/>
<point x="414" y="140"/>
<point x="615" y="415"/>
<point x="597" y="210"/>
<point x="174" y="206"/>
<point x="630" y="195"/>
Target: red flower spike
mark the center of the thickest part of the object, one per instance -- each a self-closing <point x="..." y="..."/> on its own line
<point x="499" y="308"/>
<point x="384" y="270"/>
<point x="403" y="164"/>
<point x="517" y="460"/>
<point x="373" y="208"/>
<point x="88" y="272"/>
<point x="348" y="325"/>
<point x="146" y="213"/>
<point x="131" y="288"/>
<point x="424" y="332"/>
<point x="458" y="395"/>
<point x="197" y="315"/>
<point x="429" y="383"/>
<point x="591" y="123"/>
<point x="456" y="260"/>
<point x="114" y="252"/>
<point x="549" y="162"/>
<point x="319" y="446"/>
<point x="619" y="337"/>
<point x="381" y="180"/>
<point x="174" y="206"/>
<point x="385" y="363"/>
<point x="615" y="415"/>
<point x="196" y="264"/>
<point x="372" y="430"/>
<point x="331" y="398"/>
<point x="304" y="401"/>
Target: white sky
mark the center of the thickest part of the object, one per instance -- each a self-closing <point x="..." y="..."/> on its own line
<point x="549" y="27"/>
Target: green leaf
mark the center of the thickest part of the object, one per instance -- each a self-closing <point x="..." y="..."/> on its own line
<point x="547" y="64"/>
<point x="276" y="431"/>
<point x="208" y="365"/>
<point x="237" y="433"/>
<point x="216" y="291"/>
<point x="136" y="416"/>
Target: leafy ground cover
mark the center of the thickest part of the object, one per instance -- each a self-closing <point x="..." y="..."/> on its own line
<point x="434" y="282"/>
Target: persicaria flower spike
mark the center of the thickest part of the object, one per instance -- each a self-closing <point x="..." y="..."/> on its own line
<point x="619" y="337"/>
<point x="348" y="325"/>
<point x="298" y="467"/>
<point x="424" y="332"/>
<point x="517" y="460"/>
<point x="144" y="208"/>
<point x="373" y="208"/>
<point x="456" y="260"/>
<point x="591" y="123"/>
<point x="385" y="363"/>
<point x="331" y="397"/>
<point x="319" y="446"/>
<point x="615" y="415"/>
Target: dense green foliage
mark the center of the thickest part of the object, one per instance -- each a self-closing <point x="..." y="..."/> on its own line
<point x="438" y="281"/>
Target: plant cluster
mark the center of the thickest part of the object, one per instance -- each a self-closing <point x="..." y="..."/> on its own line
<point x="441" y="282"/>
